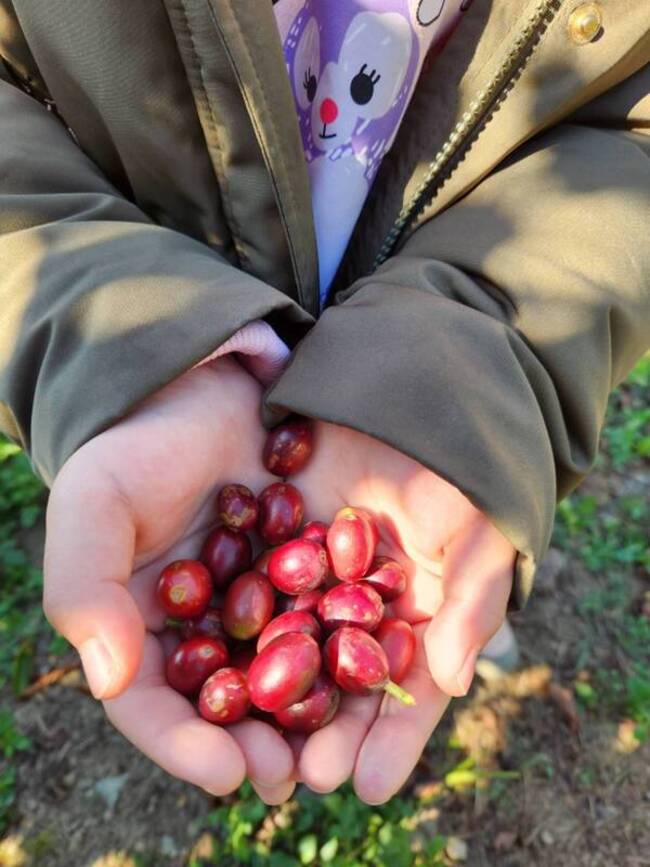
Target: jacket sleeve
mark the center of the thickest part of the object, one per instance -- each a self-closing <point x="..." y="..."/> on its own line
<point x="488" y="346"/>
<point x="99" y="307"/>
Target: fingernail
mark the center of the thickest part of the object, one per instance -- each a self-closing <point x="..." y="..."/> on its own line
<point x="465" y="676"/>
<point x="98" y="666"/>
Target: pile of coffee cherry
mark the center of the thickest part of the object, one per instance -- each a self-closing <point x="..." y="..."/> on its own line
<point x="283" y="634"/>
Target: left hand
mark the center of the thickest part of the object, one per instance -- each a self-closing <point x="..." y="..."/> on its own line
<point x="460" y="575"/>
<point x="129" y="501"/>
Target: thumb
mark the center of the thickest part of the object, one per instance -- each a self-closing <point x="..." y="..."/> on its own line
<point x="88" y="561"/>
<point x="476" y="583"/>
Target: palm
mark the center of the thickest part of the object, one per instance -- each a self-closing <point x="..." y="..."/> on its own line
<point x="459" y="573"/>
<point x="127" y="503"/>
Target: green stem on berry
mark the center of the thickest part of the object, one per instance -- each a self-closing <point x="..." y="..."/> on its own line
<point x="399" y="693"/>
<point x="172" y="623"/>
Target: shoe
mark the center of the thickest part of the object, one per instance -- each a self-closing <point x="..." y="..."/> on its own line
<point x="500" y="655"/>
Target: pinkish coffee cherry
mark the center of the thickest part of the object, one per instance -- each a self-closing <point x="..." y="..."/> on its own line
<point x="224" y="697"/>
<point x="315" y="531"/>
<point x="290" y="621"/>
<point x="397" y="640"/>
<point x="351" y="605"/>
<point x="359" y="665"/>
<point x="315" y="710"/>
<point x="303" y="602"/>
<point x="387" y="577"/>
<point x="284" y="672"/>
<point x="351" y="544"/>
<point x="298" y="566"/>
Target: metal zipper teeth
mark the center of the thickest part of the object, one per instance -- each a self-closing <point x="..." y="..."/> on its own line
<point x="470" y="123"/>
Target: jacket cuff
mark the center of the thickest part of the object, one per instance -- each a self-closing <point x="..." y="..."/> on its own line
<point x="447" y="385"/>
<point x="258" y="349"/>
<point x="105" y="328"/>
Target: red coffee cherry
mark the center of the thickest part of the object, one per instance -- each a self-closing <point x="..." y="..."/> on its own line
<point x="315" y="531"/>
<point x="224" y="697"/>
<point x="288" y="447"/>
<point x="284" y="672"/>
<point x="227" y="553"/>
<point x="315" y="710"/>
<point x="281" y="510"/>
<point x="193" y="662"/>
<point x="237" y="507"/>
<point x="209" y="624"/>
<point x="184" y="589"/>
<point x="397" y="640"/>
<point x="248" y="606"/>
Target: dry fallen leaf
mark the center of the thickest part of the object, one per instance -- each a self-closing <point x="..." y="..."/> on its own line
<point x="563" y="699"/>
<point x="56" y="675"/>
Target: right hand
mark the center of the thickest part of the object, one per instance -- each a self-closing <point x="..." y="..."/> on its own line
<point x="123" y="506"/>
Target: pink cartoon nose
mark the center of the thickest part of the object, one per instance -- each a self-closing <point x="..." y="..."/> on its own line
<point x="329" y="110"/>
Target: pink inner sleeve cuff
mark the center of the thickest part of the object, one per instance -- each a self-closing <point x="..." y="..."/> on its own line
<point x="259" y="350"/>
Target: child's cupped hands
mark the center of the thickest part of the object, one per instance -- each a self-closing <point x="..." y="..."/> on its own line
<point x="142" y="494"/>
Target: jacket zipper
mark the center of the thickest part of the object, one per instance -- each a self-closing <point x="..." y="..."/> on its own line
<point x="308" y="296"/>
<point x="471" y="124"/>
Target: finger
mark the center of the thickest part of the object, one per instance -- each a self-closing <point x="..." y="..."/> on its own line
<point x="274" y="795"/>
<point x="422" y="597"/>
<point x="296" y="741"/>
<point x="164" y="726"/>
<point x="328" y="757"/>
<point x="169" y="641"/>
<point x="476" y="583"/>
<point x="398" y="736"/>
<point x="269" y="760"/>
<point x="88" y="558"/>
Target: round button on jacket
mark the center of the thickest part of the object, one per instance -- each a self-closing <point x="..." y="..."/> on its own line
<point x="585" y="23"/>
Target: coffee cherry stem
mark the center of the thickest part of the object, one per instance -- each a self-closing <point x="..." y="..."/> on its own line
<point x="400" y="694"/>
<point x="173" y="623"/>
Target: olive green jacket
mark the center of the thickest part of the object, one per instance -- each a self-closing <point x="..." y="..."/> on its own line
<point x="154" y="198"/>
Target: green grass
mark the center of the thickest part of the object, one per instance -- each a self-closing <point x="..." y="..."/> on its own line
<point x="626" y="434"/>
<point x="22" y="626"/>
<point x="335" y="829"/>
<point x="12" y="741"/>
<point x="610" y="534"/>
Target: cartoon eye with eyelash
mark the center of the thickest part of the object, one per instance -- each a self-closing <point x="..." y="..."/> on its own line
<point x="362" y="86"/>
<point x="310" y="84"/>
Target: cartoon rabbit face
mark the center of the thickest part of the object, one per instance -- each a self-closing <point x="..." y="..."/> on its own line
<point x="361" y="85"/>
